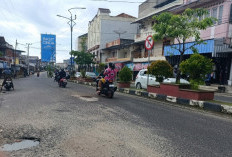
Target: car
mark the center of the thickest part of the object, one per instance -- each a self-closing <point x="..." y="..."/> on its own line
<point x="78" y="74"/>
<point x="141" y="80"/>
<point x="91" y="74"/>
<point x="173" y="80"/>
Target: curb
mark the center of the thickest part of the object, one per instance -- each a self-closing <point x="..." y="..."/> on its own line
<point x="180" y="101"/>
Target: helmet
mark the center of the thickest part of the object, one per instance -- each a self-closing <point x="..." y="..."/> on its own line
<point x="110" y="65"/>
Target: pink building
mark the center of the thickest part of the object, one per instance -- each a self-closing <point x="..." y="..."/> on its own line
<point x="217" y="37"/>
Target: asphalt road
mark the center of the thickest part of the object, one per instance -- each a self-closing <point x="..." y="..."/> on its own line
<point x="74" y="121"/>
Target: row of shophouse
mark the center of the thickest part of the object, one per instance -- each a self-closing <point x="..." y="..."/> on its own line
<point x="15" y="60"/>
<point x="120" y="39"/>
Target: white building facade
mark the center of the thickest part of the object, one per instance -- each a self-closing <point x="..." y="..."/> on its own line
<point x="105" y="28"/>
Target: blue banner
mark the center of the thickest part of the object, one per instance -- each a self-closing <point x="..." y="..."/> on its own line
<point x="71" y="60"/>
<point x="48" y="48"/>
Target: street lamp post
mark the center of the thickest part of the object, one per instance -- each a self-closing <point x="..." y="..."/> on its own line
<point x="71" y="24"/>
<point x="28" y="66"/>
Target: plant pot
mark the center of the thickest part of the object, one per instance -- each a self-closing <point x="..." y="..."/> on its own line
<point x="175" y="91"/>
<point x="123" y="84"/>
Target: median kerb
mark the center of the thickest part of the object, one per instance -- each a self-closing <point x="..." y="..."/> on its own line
<point x="212" y="107"/>
<point x="152" y="95"/>
<point x="171" y="99"/>
<point x="196" y="103"/>
<point x="138" y="92"/>
<point x="227" y="109"/>
<point x="126" y="90"/>
<point x="183" y="101"/>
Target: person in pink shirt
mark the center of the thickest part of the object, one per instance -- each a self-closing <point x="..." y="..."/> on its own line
<point x="110" y="74"/>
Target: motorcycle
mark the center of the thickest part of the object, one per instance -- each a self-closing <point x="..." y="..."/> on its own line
<point x="63" y="81"/>
<point x="37" y="74"/>
<point x="8" y="84"/>
<point x="108" y="89"/>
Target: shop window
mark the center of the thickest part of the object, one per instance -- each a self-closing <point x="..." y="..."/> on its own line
<point x="214" y="14"/>
<point x="220" y="14"/>
<point x="230" y="20"/>
<point x="208" y="14"/>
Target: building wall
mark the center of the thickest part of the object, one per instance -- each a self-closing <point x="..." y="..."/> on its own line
<point x="94" y="32"/>
<point x="147" y="7"/>
<point x="109" y="25"/>
<point x="146" y="12"/>
<point x="101" y="31"/>
<point x="80" y="40"/>
<point x="219" y="30"/>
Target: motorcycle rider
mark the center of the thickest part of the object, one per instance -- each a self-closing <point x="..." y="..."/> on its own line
<point x="56" y="75"/>
<point x="101" y="75"/>
<point x="62" y="74"/>
<point x="110" y="74"/>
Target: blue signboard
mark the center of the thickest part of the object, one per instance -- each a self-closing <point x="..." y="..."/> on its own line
<point x="48" y="48"/>
<point x="71" y="60"/>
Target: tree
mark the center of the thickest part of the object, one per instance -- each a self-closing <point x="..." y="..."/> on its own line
<point x="197" y="67"/>
<point x="181" y="28"/>
<point x="160" y="69"/>
<point x="83" y="58"/>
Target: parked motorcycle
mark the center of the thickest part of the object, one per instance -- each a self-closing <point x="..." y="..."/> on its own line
<point x="8" y="84"/>
<point x="37" y="74"/>
<point x="108" y="89"/>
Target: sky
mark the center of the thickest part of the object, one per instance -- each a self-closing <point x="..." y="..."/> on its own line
<point x="26" y="20"/>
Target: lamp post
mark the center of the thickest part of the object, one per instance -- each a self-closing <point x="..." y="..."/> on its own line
<point x="28" y="66"/>
<point x="71" y="24"/>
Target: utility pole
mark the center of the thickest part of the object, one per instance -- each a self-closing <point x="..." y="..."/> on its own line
<point x="71" y="24"/>
<point x="28" y="48"/>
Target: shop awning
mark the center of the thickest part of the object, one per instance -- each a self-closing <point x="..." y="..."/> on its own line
<point x="206" y="47"/>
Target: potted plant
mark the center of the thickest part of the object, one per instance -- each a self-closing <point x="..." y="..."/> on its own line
<point x="160" y="69"/>
<point x="125" y="77"/>
<point x="84" y="77"/>
<point x="197" y="67"/>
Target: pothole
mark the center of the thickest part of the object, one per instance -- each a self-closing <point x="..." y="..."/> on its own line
<point x="19" y="144"/>
<point x="86" y="98"/>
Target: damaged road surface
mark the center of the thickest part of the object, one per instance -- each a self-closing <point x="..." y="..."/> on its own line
<point x="40" y="119"/>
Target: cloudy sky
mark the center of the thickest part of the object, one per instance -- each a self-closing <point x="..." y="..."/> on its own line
<point x="25" y="20"/>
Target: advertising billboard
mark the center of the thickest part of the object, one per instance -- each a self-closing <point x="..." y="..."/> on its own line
<point x="48" y="48"/>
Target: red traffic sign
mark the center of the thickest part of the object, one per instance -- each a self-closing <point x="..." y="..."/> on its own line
<point x="149" y="43"/>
